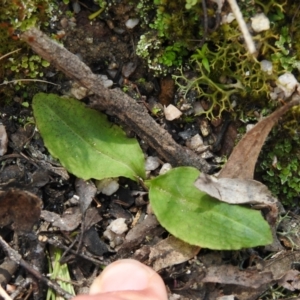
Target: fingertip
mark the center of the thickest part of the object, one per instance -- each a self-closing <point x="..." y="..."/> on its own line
<point x="129" y="275"/>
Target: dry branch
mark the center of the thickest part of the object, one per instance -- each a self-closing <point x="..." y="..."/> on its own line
<point x="114" y="101"/>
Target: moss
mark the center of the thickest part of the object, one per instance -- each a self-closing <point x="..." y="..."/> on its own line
<point x="15" y="17"/>
<point x="174" y="29"/>
<point x="279" y="166"/>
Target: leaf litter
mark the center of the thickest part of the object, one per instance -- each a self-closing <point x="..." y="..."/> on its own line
<point x="148" y="225"/>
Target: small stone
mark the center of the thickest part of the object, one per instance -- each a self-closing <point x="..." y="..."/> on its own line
<point x="195" y="142"/>
<point x="172" y="112"/>
<point x="152" y="163"/>
<point x="107" y="186"/>
<point x="89" y="40"/>
<point x="79" y="92"/>
<point x="129" y="68"/>
<point x="266" y="66"/>
<point x="226" y="19"/>
<point x="198" y="109"/>
<point x="186" y="134"/>
<point x="131" y="23"/>
<point x="118" y="226"/>
<point x="249" y="127"/>
<point x="260" y="22"/>
<point x="64" y="22"/>
<point x="165" y="168"/>
<point x="105" y="81"/>
<point x="273" y="96"/>
<point x="76" y="7"/>
<point x="288" y="84"/>
<point x="207" y="155"/>
<point x="205" y="128"/>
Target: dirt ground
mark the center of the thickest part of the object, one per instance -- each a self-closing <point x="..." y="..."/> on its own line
<point x="87" y="241"/>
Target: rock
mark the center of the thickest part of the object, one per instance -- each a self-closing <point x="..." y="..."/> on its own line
<point x="118" y="226"/>
<point x="152" y="163"/>
<point x="172" y="112"/>
<point x="165" y="168"/>
<point x="107" y="186"/>
<point x="266" y="66"/>
<point x="260" y="22"/>
<point x="131" y="23"/>
<point x="195" y="142"/>
<point x="288" y="84"/>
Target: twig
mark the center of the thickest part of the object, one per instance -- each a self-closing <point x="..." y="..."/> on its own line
<point x="21" y="287"/>
<point x="114" y="101"/>
<point x="3" y="294"/>
<point x="9" y="53"/>
<point x="27" y="80"/>
<point x="239" y="17"/>
<point x="15" y="256"/>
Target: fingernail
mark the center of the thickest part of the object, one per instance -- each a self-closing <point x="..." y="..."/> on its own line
<point x="122" y="275"/>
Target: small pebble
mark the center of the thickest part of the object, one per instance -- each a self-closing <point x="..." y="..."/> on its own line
<point x="131" y="23"/>
<point x="105" y="81"/>
<point x="198" y="109"/>
<point x="3" y="140"/>
<point x="266" y="66"/>
<point x="226" y="19"/>
<point x="107" y="186"/>
<point x="186" y="134"/>
<point x="205" y="128"/>
<point x="165" y="168"/>
<point x="249" y="127"/>
<point x="128" y="69"/>
<point x="195" y="142"/>
<point x="79" y="92"/>
<point x="288" y="83"/>
<point x="207" y="155"/>
<point x="118" y="226"/>
<point x="76" y="7"/>
<point x="172" y="112"/>
<point x="152" y="163"/>
<point x="260" y="22"/>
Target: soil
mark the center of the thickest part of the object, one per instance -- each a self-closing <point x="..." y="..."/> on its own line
<point x="29" y="173"/>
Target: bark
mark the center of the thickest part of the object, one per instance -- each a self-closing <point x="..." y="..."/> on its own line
<point x="115" y="101"/>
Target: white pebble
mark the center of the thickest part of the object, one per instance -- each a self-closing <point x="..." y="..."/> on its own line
<point x="260" y="22"/>
<point x="266" y="66"/>
<point x="107" y="186"/>
<point x="118" y="226"/>
<point x="226" y="19"/>
<point x="172" y="112"/>
<point x="152" y="163"/>
<point x="195" y="142"/>
<point x="288" y="84"/>
<point x="165" y="168"/>
<point x="105" y="81"/>
<point x="131" y="23"/>
<point x="249" y="127"/>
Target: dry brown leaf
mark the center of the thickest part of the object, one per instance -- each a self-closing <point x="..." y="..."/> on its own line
<point x="86" y="191"/>
<point x="235" y="191"/>
<point x="290" y="280"/>
<point x="242" y="161"/>
<point x="228" y="274"/>
<point x="171" y="251"/>
<point x="20" y="209"/>
<point x="69" y="221"/>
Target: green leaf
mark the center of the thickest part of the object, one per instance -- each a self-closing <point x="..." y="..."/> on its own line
<point x="201" y="220"/>
<point x="206" y="64"/>
<point x="86" y="144"/>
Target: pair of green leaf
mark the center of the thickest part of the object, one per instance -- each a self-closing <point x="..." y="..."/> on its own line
<point x="90" y="147"/>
